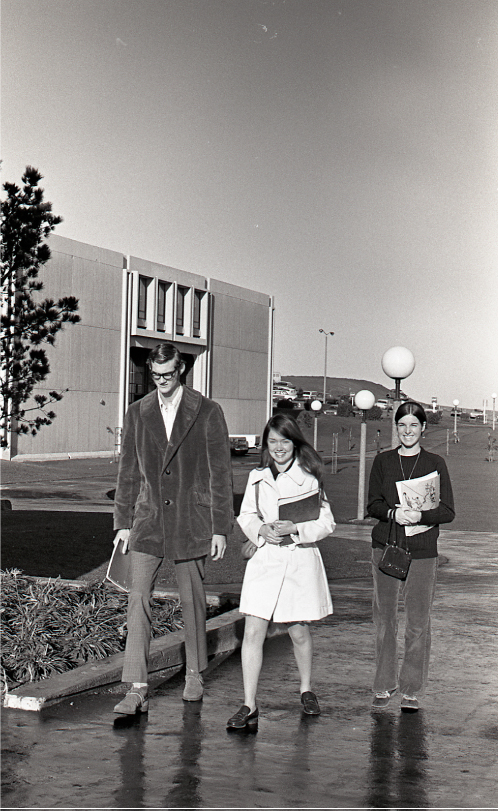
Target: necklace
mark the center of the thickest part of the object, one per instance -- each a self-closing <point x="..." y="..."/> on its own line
<point x="413" y="468"/>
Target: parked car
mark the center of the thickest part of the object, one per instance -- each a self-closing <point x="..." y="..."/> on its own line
<point x="239" y="445"/>
<point x="284" y="393"/>
<point x="311" y="395"/>
<point x="475" y="414"/>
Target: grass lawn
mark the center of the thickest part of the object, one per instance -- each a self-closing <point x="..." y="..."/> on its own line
<point x="78" y="544"/>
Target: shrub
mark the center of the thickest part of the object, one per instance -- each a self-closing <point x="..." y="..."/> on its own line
<point x="433" y="417"/>
<point x="305" y="419"/>
<point x="52" y="627"/>
<point x="345" y="410"/>
<point x="374" y="413"/>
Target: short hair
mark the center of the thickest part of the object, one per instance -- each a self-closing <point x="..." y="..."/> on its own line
<point x="162" y="353"/>
<point x="287" y="426"/>
<point x="413" y="408"/>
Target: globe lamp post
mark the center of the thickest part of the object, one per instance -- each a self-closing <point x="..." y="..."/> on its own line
<point x="326" y="334"/>
<point x="364" y="400"/>
<point x="494" y="396"/>
<point x="316" y="408"/>
<point x="397" y="363"/>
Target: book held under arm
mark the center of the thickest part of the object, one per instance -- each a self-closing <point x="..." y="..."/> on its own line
<point x="118" y="568"/>
<point x="419" y="494"/>
<point x="300" y="508"/>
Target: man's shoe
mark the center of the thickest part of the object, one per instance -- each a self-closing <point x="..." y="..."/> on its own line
<point x="409" y="704"/>
<point x="382" y="698"/>
<point x="136" y="700"/>
<point x="310" y="703"/>
<point x="243" y="718"/>
<point x="193" y="691"/>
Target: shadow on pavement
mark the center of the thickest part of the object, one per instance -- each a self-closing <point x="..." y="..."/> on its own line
<point x="53" y="544"/>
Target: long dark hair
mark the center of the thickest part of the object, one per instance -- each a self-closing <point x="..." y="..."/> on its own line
<point x="306" y="456"/>
<point x="413" y="408"/>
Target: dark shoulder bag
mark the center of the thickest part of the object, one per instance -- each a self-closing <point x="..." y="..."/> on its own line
<point x="248" y="548"/>
<point x="395" y="560"/>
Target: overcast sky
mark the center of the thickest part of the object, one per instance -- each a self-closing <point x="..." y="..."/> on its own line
<point x="339" y="155"/>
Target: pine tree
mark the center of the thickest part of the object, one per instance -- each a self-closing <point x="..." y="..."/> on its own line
<point x="27" y="323"/>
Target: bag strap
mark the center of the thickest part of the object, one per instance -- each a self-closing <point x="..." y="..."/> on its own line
<point x="259" y="514"/>
<point x="394" y="526"/>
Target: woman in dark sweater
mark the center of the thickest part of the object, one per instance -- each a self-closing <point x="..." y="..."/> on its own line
<point x="407" y="461"/>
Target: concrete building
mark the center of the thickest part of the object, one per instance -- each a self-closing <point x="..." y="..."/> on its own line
<point x="127" y="305"/>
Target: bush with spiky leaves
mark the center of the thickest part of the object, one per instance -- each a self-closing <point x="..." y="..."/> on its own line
<point x="50" y="627"/>
<point x="27" y="322"/>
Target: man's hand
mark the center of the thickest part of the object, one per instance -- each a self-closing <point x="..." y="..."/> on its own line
<point x="122" y="535"/>
<point x="218" y="547"/>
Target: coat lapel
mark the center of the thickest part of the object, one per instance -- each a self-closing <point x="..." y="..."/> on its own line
<point x="187" y="412"/>
<point x="153" y="420"/>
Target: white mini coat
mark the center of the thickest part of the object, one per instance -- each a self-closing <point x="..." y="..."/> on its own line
<point x="284" y="583"/>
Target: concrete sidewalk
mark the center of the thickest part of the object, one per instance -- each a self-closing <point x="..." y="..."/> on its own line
<point x="72" y="755"/>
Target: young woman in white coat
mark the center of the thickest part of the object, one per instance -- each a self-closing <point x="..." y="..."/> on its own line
<point x="285" y="580"/>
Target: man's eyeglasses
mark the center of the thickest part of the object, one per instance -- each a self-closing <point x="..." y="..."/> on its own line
<point x="164" y="375"/>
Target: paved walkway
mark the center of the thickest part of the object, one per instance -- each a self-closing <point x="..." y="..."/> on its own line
<point x="180" y="755"/>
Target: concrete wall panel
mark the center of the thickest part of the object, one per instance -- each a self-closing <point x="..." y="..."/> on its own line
<point x="83" y="425"/>
<point x="86" y="356"/>
<point x="239" y="360"/>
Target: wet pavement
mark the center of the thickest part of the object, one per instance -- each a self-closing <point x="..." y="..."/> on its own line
<point x="179" y="755"/>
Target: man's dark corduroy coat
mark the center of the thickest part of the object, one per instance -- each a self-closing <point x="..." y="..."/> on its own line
<point x="174" y="495"/>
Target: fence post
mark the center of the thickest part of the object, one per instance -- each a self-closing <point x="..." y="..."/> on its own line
<point x="335" y="444"/>
<point x="118" y="442"/>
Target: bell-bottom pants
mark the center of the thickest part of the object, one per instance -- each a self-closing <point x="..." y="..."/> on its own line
<point x="418" y="594"/>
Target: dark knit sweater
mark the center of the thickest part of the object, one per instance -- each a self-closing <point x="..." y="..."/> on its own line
<point x="383" y="496"/>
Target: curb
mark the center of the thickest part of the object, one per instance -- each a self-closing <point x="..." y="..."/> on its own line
<point x="367" y="522"/>
<point x="224" y="635"/>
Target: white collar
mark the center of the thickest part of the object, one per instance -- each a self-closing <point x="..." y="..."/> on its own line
<point x="295" y="472"/>
<point x="174" y="402"/>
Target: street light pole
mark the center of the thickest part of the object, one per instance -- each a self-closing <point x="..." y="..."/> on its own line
<point x="455" y="411"/>
<point x="326" y="334"/>
<point x="364" y="400"/>
<point x="316" y="408"/>
<point x="494" y="396"/>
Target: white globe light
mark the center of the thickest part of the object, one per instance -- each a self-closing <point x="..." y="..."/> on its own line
<point x="316" y="405"/>
<point x="364" y="400"/>
<point x="494" y="396"/>
<point x="456" y="402"/>
<point x="398" y="362"/>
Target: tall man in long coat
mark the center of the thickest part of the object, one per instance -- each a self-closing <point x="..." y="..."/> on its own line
<point x="173" y="500"/>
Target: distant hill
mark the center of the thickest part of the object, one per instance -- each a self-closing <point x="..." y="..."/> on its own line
<point x="336" y="386"/>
